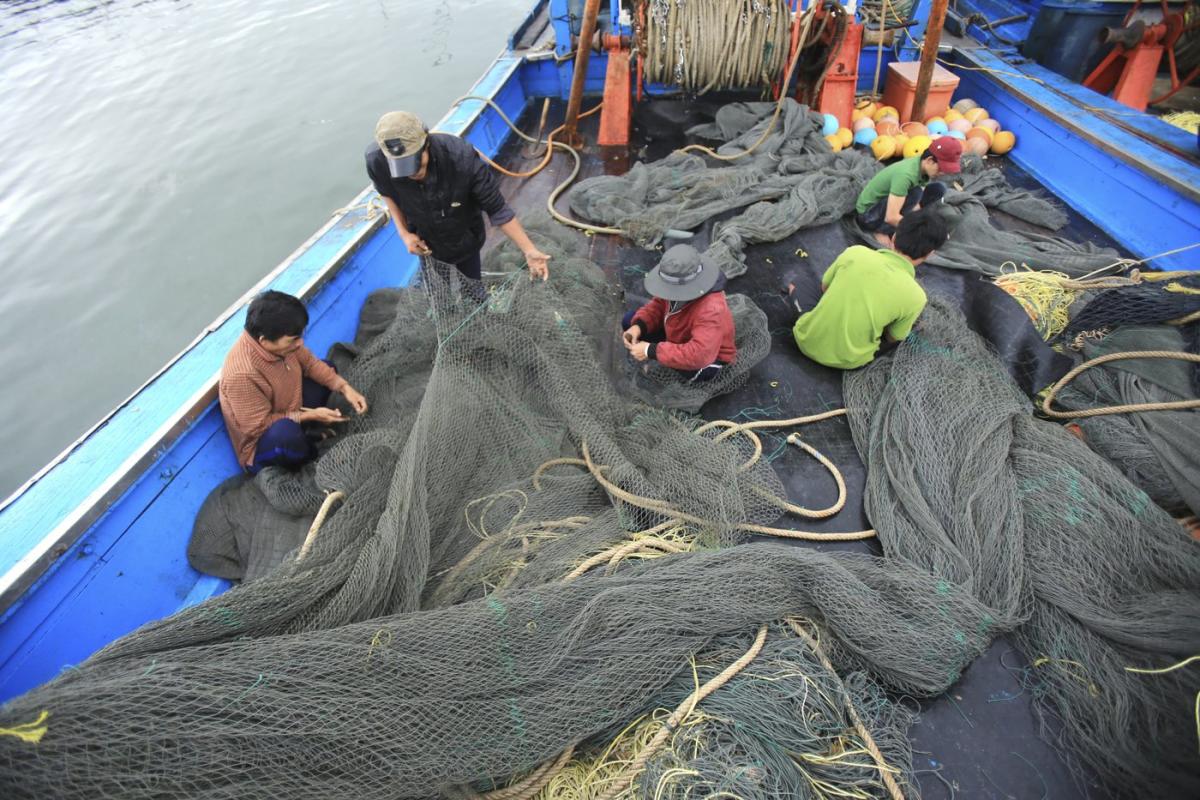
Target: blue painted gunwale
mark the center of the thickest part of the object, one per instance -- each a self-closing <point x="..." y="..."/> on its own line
<point x="134" y="483"/>
<point x="1142" y="195"/>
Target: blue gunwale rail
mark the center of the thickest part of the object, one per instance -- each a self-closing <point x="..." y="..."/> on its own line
<point x="93" y="546"/>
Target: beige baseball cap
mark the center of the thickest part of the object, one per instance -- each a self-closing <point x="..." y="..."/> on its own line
<point x="401" y="136"/>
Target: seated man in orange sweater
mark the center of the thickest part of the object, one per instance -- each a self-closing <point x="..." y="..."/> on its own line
<point x="687" y="325"/>
<point x="271" y="383"/>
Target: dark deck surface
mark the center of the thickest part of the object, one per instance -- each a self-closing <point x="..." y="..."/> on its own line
<point x="983" y="739"/>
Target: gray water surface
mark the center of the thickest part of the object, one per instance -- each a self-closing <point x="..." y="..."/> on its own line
<point x="160" y="157"/>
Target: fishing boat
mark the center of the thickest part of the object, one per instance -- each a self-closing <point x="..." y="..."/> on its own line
<point x="94" y="545"/>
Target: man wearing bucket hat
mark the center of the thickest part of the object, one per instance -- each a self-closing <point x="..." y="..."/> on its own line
<point x="687" y="325"/>
<point x="905" y="186"/>
<point x="436" y="188"/>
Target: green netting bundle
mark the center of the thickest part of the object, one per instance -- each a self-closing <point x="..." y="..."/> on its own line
<point x="963" y="481"/>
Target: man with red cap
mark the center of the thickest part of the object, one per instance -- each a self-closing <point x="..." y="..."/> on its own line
<point x="905" y="186"/>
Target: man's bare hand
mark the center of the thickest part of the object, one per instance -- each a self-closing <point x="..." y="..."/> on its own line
<point x="356" y="400"/>
<point x="325" y="416"/>
<point x="539" y="264"/>
<point x="416" y="245"/>
<point x="639" y="350"/>
<point x="632" y="335"/>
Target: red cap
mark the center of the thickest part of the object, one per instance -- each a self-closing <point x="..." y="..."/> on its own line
<point x="947" y="150"/>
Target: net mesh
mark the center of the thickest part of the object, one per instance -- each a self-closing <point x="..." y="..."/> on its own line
<point x="963" y="481"/>
<point x="531" y="568"/>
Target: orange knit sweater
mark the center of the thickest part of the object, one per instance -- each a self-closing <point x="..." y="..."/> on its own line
<point x="258" y="389"/>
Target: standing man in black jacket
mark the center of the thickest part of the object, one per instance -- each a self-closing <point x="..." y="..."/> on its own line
<point x="436" y="187"/>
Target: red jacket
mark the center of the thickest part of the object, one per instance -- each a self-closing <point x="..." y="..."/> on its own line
<point x="698" y="333"/>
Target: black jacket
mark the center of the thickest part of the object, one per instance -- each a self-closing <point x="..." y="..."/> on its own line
<point x="445" y="209"/>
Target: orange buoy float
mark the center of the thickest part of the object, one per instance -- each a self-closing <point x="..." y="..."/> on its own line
<point x="981" y="133"/>
<point x="914" y="129"/>
<point x="886" y="127"/>
<point x="975" y="115"/>
<point x="976" y="146"/>
<point x="1003" y="141"/>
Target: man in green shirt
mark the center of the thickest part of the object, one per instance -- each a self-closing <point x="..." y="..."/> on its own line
<point x="869" y="296"/>
<point x="904" y="187"/>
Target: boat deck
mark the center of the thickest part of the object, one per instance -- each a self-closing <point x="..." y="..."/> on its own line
<point x="982" y="739"/>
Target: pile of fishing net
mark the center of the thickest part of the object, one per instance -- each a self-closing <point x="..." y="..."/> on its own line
<point x="1097" y="579"/>
<point x="978" y="244"/>
<point x="791" y="180"/>
<point x="524" y="564"/>
<point x="249" y="525"/>
<point x="1158" y="450"/>
<point x="1101" y="318"/>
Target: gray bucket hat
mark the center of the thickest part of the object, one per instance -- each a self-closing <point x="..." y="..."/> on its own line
<point x="401" y="136"/>
<point x="682" y="274"/>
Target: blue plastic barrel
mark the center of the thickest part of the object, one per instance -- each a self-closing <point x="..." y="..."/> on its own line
<point x="1065" y="36"/>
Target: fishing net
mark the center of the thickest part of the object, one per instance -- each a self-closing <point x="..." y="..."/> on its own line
<point x="792" y="180"/>
<point x="427" y="637"/>
<point x="1167" y="297"/>
<point x="977" y="244"/>
<point x="412" y="705"/>
<point x="668" y="388"/>
<point x="1157" y="450"/>
<point x="963" y="481"/>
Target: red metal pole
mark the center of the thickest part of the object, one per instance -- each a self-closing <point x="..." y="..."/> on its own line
<point x="582" y="51"/>
<point x="929" y="51"/>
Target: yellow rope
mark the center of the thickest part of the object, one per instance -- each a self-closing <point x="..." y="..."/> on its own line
<point x="29" y="732"/>
<point x="1164" y="670"/>
<point x="1122" y="409"/>
<point x="1172" y="668"/>
<point x="681" y="713"/>
<point x="885" y="771"/>
<point x="661" y="507"/>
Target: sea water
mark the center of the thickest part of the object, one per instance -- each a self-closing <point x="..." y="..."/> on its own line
<point x="157" y="158"/>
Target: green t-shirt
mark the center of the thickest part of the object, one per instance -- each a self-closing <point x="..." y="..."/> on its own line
<point x="897" y="179"/>
<point x="867" y="292"/>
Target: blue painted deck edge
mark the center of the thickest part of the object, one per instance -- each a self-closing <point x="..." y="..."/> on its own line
<point x="1104" y="172"/>
<point x="49" y="626"/>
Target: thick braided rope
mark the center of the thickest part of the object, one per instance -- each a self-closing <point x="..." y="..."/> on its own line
<point x="1174" y="405"/>
<point x="885" y="771"/>
<point x="318" y="521"/>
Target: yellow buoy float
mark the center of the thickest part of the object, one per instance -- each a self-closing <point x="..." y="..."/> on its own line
<point x="916" y="145"/>
<point x="834" y="141"/>
<point x="1003" y="141"/>
<point x="885" y="111"/>
<point x="884" y="147"/>
<point x="845" y="136"/>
